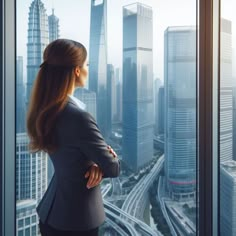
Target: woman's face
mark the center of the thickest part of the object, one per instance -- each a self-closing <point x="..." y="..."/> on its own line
<point x="82" y="75"/>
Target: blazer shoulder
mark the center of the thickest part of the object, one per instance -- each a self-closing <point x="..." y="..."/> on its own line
<point x="72" y="113"/>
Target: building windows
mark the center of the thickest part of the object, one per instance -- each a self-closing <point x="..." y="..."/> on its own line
<point x="170" y="58"/>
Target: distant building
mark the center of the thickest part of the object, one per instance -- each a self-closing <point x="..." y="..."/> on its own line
<point x="111" y="93"/>
<point x="161" y="111"/>
<point x="157" y="85"/>
<point x="98" y="61"/>
<point x="38" y="39"/>
<point x="227" y="198"/>
<point x="89" y="98"/>
<point x="138" y="125"/>
<point x="26" y="218"/>
<point x="180" y="111"/>
<point x="31" y="171"/>
<point x="226" y="93"/>
<point x="53" y="24"/>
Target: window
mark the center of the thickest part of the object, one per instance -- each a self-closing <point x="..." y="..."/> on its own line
<point x="227" y="119"/>
<point x="128" y="122"/>
<point x="148" y="62"/>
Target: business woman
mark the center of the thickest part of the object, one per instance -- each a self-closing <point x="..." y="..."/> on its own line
<point x="58" y="124"/>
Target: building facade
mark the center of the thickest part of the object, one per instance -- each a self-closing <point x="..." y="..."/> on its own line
<point x="38" y="39"/>
<point x="98" y="61"/>
<point x="138" y="124"/>
<point x="180" y="111"/>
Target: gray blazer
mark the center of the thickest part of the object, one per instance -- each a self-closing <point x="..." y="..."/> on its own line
<point x="68" y="204"/>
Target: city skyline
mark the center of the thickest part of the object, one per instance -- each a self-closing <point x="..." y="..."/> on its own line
<point x="81" y="32"/>
<point x="183" y="121"/>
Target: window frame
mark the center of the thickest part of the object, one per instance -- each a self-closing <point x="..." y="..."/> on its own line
<point x="208" y="105"/>
<point x="8" y="56"/>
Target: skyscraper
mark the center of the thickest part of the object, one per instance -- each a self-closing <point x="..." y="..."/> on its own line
<point x="161" y="111"/>
<point x="53" y="24"/>
<point x="137" y="85"/>
<point x="38" y="39"/>
<point x="180" y="110"/>
<point x="111" y="89"/>
<point x="157" y="85"/>
<point x="227" y="198"/>
<point x="98" y="61"/>
<point x="31" y="171"/>
<point x="20" y="97"/>
<point x="26" y="218"/>
<point x="118" y="95"/>
<point x="226" y="96"/>
<point x="89" y="98"/>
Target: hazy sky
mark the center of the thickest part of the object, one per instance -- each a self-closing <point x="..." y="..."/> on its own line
<point x="74" y="20"/>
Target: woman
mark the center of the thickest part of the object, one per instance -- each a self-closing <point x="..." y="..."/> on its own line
<point x="58" y="124"/>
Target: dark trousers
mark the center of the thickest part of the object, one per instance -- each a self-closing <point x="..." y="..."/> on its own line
<point x="47" y="230"/>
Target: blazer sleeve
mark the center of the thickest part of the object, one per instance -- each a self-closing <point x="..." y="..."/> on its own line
<point x="91" y="142"/>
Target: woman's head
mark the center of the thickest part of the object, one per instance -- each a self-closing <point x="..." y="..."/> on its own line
<point x="64" y="68"/>
<point x="67" y="56"/>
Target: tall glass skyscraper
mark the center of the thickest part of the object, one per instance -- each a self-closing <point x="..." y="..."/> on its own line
<point x="38" y="39"/>
<point x="138" y="124"/>
<point x="111" y="95"/>
<point x="226" y="92"/>
<point x="180" y="110"/>
<point x="31" y="171"/>
<point x="227" y="198"/>
<point x="98" y="61"/>
<point x="53" y="24"/>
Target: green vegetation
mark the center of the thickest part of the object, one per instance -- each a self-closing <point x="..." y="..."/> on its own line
<point x="156" y="212"/>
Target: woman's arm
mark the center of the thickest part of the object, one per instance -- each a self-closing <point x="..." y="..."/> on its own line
<point x="91" y="142"/>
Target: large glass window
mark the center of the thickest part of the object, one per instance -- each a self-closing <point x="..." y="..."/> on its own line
<point x="142" y="92"/>
<point x="227" y="123"/>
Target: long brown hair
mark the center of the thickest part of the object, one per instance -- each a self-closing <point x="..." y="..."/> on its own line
<point x="55" y="79"/>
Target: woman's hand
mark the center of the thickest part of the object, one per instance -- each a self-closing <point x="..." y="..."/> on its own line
<point x="95" y="173"/>
<point x="112" y="151"/>
<point x="95" y="176"/>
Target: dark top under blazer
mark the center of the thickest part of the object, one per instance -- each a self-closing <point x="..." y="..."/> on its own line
<point x="68" y="204"/>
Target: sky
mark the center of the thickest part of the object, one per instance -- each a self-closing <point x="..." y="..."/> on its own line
<point x="74" y="21"/>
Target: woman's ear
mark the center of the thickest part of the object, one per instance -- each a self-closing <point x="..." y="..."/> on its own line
<point x="77" y="71"/>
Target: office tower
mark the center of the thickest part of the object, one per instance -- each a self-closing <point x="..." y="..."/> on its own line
<point x="111" y="93"/>
<point x="38" y="39"/>
<point x="89" y="98"/>
<point x="234" y="121"/>
<point x="26" y="218"/>
<point x="161" y="112"/>
<point x="20" y="97"/>
<point x="53" y="24"/>
<point x="118" y="116"/>
<point x="98" y="61"/>
<point x="137" y="85"/>
<point x="115" y="96"/>
<point x="226" y="99"/>
<point x="227" y="198"/>
<point x="180" y="111"/>
<point x="31" y="171"/>
<point x="157" y="85"/>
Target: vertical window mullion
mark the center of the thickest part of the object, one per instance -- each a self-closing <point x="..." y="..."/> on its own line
<point x="8" y="116"/>
<point x="208" y="116"/>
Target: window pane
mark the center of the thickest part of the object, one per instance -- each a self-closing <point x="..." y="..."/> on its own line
<point x="141" y="90"/>
<point x="227" y="119"/>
